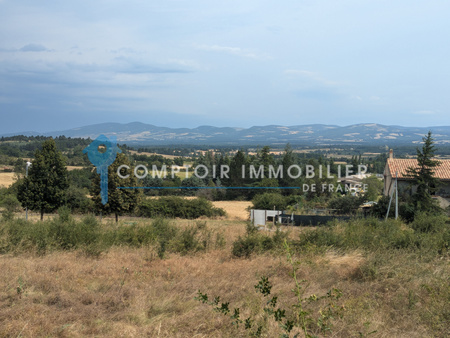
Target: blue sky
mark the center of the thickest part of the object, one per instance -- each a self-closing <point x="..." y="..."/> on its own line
<point x="66" y="64"/>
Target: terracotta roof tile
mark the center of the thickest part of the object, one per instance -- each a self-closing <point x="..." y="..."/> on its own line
<point x="401" y="165"/>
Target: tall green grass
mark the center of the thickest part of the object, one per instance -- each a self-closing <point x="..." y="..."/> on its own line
<point x="87" y="234"/>
<point x="426" y="234"/>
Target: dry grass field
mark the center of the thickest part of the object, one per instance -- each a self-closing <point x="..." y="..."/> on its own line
<point x="130" y="292"/>
<point x="73" y="167"/>
<point x="150" y="154"/>
<point x="6" y="179"/>
<point x="235" y="209"/>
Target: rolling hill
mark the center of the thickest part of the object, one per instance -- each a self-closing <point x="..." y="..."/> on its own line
<point x="137" y="133"/>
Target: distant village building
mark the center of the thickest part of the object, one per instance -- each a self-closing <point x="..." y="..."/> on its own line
<point x="397" y="168"/>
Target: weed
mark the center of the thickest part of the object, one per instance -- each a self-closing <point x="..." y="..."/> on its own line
<point x="300" y="316"/>
<point x="255" y="242"/>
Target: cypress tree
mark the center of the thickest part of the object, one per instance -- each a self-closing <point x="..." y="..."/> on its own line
<point x="423" y="176"/>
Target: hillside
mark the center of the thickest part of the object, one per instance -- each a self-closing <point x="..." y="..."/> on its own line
<point x="316" y="134"/>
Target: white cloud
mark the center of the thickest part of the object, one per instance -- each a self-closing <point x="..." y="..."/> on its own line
<point x="357" y="97"/>
<point x="232" y="50"/>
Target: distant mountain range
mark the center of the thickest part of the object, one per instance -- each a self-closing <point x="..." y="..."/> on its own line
<point x="137" y="133"/>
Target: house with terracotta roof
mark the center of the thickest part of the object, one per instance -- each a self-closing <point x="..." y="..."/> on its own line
<point x="397" y="168"/>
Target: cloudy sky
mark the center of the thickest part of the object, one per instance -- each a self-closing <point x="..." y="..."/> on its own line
<point x="66" y="64"/>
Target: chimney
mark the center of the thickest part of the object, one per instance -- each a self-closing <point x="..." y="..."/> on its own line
<point x="391" y="154"/>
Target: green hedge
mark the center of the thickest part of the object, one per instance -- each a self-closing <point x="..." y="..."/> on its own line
<point x="173" y="207"/>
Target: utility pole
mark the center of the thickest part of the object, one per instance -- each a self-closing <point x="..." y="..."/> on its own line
<point x="396" y="194"/>
<point x="26" y="175"/>
<point x="394" y="190"/>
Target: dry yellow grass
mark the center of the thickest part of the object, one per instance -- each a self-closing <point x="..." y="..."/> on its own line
<point x="235" y="209"/>
<point x="73" y="167"/>
<point x="151" y="154"/>
<point x="6" y="179"/>
<point x="130" y="292"/>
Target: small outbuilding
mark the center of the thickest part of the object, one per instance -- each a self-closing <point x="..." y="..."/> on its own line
<point x="264" y="217"/>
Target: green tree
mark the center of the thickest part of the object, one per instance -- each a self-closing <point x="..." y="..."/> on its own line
<point x="346" y="205"/>
<point x="374" y="188"/>
<point x="269" y="200"/>
<point x="289" y="159"/>
<point x="120" y="201"/>
<point x="423" y="176"/>
<point x="191" y="184"/>
<point x="44" y="188"/>
<point x="235" y="174"/>
<point x="265" y="158"/>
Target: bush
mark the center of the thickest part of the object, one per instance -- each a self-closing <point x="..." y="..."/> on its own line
<point x="268" y="201"/>
<point x="77" y="200"/>
<point x="64" y="233"/>
<point x="346" y="205"/>
<point x="424" y="222"/>
<point x="10" y="203"/>
<point x="379" y="210"/>
<point x="371" y="234"/>
<point x="173" y="207"/>
<point x="244" y="247"/>
<point x="256" y="242"/>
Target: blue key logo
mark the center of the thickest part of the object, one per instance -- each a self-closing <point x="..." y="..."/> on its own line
<point x="102" y="160"/>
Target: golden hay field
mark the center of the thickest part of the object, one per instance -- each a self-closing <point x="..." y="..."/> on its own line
<point x="235" y="209"/>
<point x="151" y="154"/>
<point x="6" y="179"/>
<point x="73" y="167"/>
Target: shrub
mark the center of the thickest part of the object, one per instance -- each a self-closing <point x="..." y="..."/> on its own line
<point x="346" y="204"/>
<point x="10" y="203"/>
<point x="77" y="200"/>
<point x="379" y="210"/>
<point x="268" y="201"/>
<point x="65" y="233"/>
<point x="192" y="239"/>
<point x="424" y="222"/>
<point x="173" y="207"/>
<point x="244" y="247"/>
<point x="68" y="234"/>
<point x="295" y="320"/>
<point x="371" y="234"/>
<point x="256" y="242"/>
